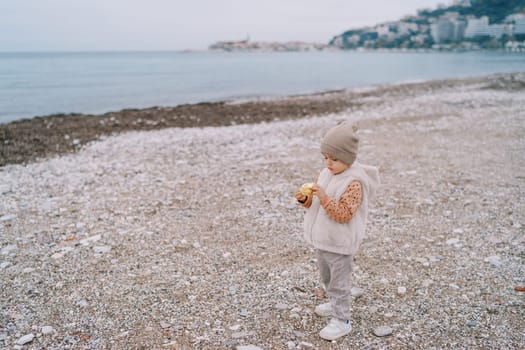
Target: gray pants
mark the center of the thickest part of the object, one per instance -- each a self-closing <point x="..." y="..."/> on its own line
<point x="336" y="276"/>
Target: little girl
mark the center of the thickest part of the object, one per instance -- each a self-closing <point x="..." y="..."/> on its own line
<point x="335" y="222"/>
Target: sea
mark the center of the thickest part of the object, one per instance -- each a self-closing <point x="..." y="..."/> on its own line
<point x="44" y="83"/>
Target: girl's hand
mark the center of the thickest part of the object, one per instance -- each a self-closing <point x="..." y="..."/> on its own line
<point x="300" y="197"/>
<point x="319" y="192"/>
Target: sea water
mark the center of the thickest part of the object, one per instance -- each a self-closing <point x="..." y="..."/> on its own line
<point x="44" y="83"/>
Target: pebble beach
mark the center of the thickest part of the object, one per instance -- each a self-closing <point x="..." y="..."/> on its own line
<point x="188" y="236"/>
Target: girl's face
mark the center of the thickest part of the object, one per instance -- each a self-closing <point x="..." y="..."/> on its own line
<point x="334" y="165"/>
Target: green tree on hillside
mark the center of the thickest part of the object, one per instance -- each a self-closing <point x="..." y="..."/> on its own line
<point x="495" y="10"/>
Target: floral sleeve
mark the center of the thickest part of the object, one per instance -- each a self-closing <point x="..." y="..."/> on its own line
<point x="343" y="210"/>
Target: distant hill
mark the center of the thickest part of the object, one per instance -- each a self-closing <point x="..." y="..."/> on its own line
<point x="495" y="10"/>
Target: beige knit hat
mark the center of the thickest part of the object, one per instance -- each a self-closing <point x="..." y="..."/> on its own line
<point x="341" y="143"/>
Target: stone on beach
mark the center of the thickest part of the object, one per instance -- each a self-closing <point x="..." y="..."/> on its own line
<point x="382" y="331"/>
<point x="494" y="260"/>
<point x="28" y="338"/>
<point x="47" y="330"/>
<point x="9" y="249"/>
<point x="102" y="249"/>
<point x="7" y="217"/>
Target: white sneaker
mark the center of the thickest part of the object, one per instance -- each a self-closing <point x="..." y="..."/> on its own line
<point x="324" y="310"/>
<point x="335" y="329"/>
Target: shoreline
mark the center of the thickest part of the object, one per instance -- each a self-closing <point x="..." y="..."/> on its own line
<point x="26" y="140"/>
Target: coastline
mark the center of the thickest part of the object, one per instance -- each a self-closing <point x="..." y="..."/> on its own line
<point x="27" y="140"/>
<point x="190" y="237"/>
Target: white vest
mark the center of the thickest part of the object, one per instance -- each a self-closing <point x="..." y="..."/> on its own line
<point x="327" y="234"/>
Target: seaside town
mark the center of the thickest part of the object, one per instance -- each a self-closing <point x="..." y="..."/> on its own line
<point x="247" y="45"/>
<point x="456" y="27"/>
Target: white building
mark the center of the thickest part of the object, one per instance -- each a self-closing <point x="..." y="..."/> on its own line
<point x="519" y="26"/>
<point x="477" y="27"/>
<point x="459" y="30"/>
<point x="446" y="28"/>
<point x="480" y="27"/>
<point x="497" y="30"/>
<point x="382" y="30"/>
<point x="442" y="30"/>
<point x="404" y="28"/>
<point x="418" y="39"/>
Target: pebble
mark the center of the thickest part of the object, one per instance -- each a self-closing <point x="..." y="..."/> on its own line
<point x="47" y="330"/>
<point x="235" y="327"/>
<point x="102" y="249"/>
<point x="494" y="260"/>
<point x="357" y="292"/>
<point x="248" y="347"/>
<point x="423" y="261"/>
<point x="9" y="249"/>
<point x="472" y="323"/>
<point x="88" y="240"/>
<point x="170" y="344"/>
<point x="57" y="256"/>
<point x="5" y="189"/>
<point x="295" y="315"/>
<point x="281" y="306"/>
<point x="82" y="303"/>
<point x="28" y="338"/>
<point x="382" y="331"/>
<point x="238" y="335"/>
<point x="298" y="334"/>
<point x="452" y="241"/>
<point x="244" y="313"/>
<point x="401" y="290"/>
<point x="427" y="282"/>
<point x="436" y="258"/>
<point x="7" y="217"/>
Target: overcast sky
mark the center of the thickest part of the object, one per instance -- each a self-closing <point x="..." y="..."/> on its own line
<point x="84" y="25"/>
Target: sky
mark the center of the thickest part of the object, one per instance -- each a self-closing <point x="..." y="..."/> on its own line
<point x="108" y="25"/>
